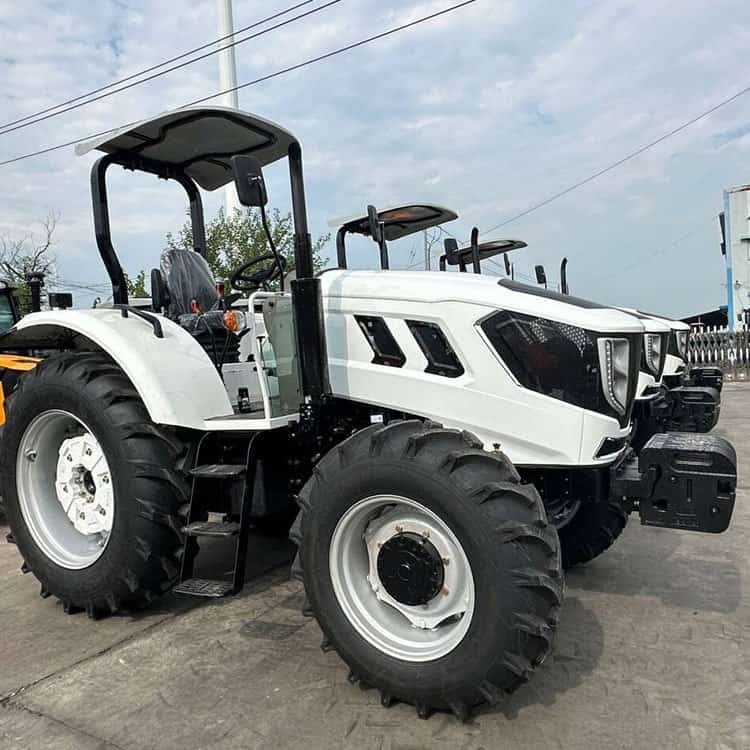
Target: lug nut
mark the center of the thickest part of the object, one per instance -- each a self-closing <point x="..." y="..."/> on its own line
<point x="105" y="479"/>
<point x="426" y="533"/>
<point x="70" y="458"/>
<point x="30" y="454"/>
<point x="399" y="529"/>
<point x="445" y="591"/>
<point x="446" y="560"/>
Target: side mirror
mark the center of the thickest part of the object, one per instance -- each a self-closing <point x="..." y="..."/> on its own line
<point x="541" y="277"/>
<point x="248" y="179"/>
<point x="376" y="228"/>
<point x="453" y="254"/>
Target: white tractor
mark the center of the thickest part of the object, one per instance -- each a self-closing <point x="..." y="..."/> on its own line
<point x="421" y="422"/>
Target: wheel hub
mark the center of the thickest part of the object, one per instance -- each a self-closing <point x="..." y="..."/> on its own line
<point x="83" y="485"/>
<point x="402" y="578"/>
<point x="411" y="569"/>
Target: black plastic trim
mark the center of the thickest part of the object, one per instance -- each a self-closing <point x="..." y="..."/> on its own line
<point x="517" y="286"/>
<point x="441" y="358"/>
<point x="385" y="348"/>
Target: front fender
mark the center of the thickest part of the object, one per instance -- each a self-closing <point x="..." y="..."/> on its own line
<point x="174" y="377"/>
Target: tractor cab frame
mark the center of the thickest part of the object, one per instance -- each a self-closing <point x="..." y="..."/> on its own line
<point x="195" y="147"/>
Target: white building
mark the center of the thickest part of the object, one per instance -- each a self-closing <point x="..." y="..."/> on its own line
<point x="736" y="249"/>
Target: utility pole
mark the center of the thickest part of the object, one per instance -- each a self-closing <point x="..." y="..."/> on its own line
<point x="426" y="252"/>
<point x="227" y="80"/>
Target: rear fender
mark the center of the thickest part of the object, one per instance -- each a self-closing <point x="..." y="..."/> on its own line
<point x="173" y="375"/>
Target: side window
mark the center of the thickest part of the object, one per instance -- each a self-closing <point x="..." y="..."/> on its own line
<point x="441" y="359"/>
<point x="385" y="348"/>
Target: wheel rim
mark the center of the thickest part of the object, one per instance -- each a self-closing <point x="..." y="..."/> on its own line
<point x="65" y="489"/>
<point x="379" y="534"/>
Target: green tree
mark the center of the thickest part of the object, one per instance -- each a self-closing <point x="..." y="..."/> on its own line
<point x="232" y="241"/>
<point x="137" y="286"/>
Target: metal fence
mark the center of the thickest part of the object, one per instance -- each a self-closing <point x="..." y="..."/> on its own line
<point x="729" y="350"/>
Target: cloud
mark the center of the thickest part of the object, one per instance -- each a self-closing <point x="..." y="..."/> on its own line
<point x="487" y="110"/>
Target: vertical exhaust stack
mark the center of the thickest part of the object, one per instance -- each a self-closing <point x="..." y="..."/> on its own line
<point x="35" y="280"/>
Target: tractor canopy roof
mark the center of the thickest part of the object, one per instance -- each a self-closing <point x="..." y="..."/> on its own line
<point x="486" y="250"/>
<point x="196" y="141"/>
<point x="398" y="221"/>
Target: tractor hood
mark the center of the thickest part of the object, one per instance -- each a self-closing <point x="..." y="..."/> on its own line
<point x="482" y="291"/>
<point x="650" y="324"/>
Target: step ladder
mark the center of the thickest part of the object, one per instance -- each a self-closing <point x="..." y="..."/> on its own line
<point x="237" y="531"/>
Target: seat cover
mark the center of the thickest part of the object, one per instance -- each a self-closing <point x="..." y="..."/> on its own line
<point x="188" y="278"/>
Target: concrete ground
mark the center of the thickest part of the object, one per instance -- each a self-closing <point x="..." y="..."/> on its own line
<point x="653" y="652"/>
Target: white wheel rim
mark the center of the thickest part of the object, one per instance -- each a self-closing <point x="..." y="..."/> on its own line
<point x="417" y="633"/>
<point x="65" y="489"/>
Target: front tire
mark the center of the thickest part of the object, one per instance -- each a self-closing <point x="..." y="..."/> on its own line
<point x="448" y="531"/>
<point x="76" y="428"/>
<point x="591" y="531"/>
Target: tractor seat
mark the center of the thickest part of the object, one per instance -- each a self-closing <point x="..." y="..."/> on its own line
<point x="183" y="281"/>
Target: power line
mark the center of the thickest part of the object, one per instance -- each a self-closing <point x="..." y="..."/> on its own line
<point x="268" y="77"/>
<point x="150" y="69"/>
<point x="153" y="76"/>
<point x="621" y="161"/>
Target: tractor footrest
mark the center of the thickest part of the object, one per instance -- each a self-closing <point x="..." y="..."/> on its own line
<point x="218" y="471"/>
<point x="679" y="481"/>
<point x="204" y="587"/>
<point x="212" y="528"/>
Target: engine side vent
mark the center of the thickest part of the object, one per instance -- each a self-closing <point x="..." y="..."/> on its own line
<point x="384" y="346"/>
<point x="441" y="359"/>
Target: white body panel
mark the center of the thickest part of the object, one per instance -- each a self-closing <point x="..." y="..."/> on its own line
<point x="175" y="378"/>
<point x="180" y="385"/>
<point x="531" y="428"/>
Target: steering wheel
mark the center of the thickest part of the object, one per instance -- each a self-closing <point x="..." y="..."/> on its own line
<point x="244" y="281"/>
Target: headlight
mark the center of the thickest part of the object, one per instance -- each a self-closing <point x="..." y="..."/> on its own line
<point x="652" y="351"/>
<point x="682" y="342"/>
<point x="614" y="355"/>
<point x="567" y="362"/>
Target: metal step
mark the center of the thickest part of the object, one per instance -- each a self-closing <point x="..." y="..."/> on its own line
<point x="204" y="587"/>
<point x="218" y="471"/>
<point x="212" y="528"/>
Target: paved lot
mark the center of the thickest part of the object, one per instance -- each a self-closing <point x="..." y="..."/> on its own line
<point x="653" y="652"/>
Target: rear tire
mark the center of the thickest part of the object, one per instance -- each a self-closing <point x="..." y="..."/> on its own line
<point x="591" y="531"/>
<point x="146" y="464"/>
<point x="500" y="535"/>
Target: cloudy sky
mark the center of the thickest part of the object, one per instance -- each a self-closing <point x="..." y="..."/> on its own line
<point x="488" y="110"/>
